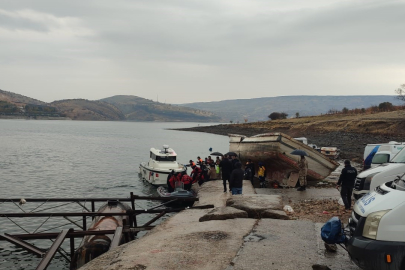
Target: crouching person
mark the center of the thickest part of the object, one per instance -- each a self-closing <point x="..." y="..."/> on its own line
<point x="187" y="181"/>
<point x="236" y="179"/>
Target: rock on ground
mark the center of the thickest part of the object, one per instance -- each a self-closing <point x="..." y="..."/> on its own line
<point x="222" y="213"/>
<point x="255" y="204"/>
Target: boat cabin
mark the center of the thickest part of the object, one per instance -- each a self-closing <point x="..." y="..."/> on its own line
<point x="165" y="154"/>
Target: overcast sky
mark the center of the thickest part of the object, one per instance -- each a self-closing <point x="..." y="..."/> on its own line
<point x="181" y="51"/>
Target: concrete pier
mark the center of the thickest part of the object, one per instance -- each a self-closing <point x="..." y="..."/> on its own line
<point x="183" y="242"/>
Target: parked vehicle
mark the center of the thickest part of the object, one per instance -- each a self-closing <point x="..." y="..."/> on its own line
<point x="371" y="178"/>
<point x="372" y="149"/>
<point x="330" y="152"/>
<point x="377" y="228"/>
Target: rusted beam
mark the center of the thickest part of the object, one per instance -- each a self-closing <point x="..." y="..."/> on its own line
<point x="16" y="200"/>
<point x="76" y="234"/>
<point x="154" y="219"/>
<point x="117" y="238"/>
<point x="20" y="243"/>
<point x="53" y="249"/>
<point x="85" y="214"/>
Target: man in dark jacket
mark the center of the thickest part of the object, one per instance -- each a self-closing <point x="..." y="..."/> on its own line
<point x="236" y="179"/>
<point x="234" y="160"/>
<point x="226" y="168"/>
<point x="346" y="182"/>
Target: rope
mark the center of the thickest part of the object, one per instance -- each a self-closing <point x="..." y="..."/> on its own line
<point x="38" y="206"/>
<point x="54" y="207"/>
<point x="42" y="224"/>
<point x="17" y="225"/>
<point x="60" y="226"/>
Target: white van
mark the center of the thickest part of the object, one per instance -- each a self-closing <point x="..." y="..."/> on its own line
<point x="371" y="178"/>
<point x="375" y="154"/>
<point x="377" y="228"/>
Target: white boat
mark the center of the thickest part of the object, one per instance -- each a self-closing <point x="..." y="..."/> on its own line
<point x="274" y="150"/>
<point x="161" y="163"/>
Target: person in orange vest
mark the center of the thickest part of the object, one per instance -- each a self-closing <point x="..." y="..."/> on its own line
<point x="199" y="161"/>
<point x="192" y="163"/>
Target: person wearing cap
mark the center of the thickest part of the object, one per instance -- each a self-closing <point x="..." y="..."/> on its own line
<point x="346" y="183"/>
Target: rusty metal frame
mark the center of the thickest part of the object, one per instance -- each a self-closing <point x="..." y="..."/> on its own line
<point x="21" y="243"/>
<point x="43" y="264"/>
<point x="129" y="230"/>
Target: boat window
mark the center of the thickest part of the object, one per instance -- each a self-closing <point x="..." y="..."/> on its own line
<point x="166" y="158"/>
<point x="380" y="158"/>
<point x="399" y="158"/>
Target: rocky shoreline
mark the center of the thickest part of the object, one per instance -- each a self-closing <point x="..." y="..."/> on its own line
<point x="351" y="144"/>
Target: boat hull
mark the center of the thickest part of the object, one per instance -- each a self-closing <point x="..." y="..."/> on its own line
<point x="155" y="176"/>
<point x="178" y="194"/>
<point x="273" y="149"/>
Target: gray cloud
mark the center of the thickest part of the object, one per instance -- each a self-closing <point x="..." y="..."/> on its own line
<point x="188" y="51"/>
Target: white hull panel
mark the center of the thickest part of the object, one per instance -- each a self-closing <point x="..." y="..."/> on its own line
<point x="156" y="177"/>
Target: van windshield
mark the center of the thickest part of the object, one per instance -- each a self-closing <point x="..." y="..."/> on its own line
<point x="400" y="157"/>
<point x="380" y="158"/>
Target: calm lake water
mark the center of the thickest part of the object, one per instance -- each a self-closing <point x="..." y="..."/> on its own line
<point x="43" y="159"/>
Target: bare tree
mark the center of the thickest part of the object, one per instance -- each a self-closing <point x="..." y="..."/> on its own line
<point x="401" y="92"/>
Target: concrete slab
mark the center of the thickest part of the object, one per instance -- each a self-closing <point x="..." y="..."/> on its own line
<point x="286" y="244"/>
<point x="255" y="204"/>
<point x="222" y="213"/>
<point x="212" y="192"/>
<point x="291" y="194"/>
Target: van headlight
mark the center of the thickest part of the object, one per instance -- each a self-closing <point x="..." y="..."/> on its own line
<point x="367" y="181"/>
<point x="372" y="221"/>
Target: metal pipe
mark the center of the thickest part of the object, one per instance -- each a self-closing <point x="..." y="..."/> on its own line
<point x="154" y="219"/>
<point x="75" y="234"/>
<point x="94" y="199"/>
<point x="87" y="214"/>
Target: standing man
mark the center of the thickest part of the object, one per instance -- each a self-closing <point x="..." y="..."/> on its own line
<point x="226" y="168"/>
<point x="236" y="179"/>
<point x="346" y="182"/>
<point x="261" y="174"/>
<point x="303" y="165"/>
<point x="234" y="161"/>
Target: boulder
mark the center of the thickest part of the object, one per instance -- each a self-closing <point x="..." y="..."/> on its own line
<point x="255" y="204"/>
<point x="274" y="214"/>
<point x="222" y="213"/>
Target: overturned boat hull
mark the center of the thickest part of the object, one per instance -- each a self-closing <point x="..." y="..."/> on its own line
<point x="93" y="246"/>
<point x="273" y="149"/>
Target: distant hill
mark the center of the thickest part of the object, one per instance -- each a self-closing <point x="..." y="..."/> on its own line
<point x="140" y="109"/>
<point x="81" y="109"/>
<point x="116" y="108"/>
<point x="258" y="109"/>
<point x="17" y="98"/>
